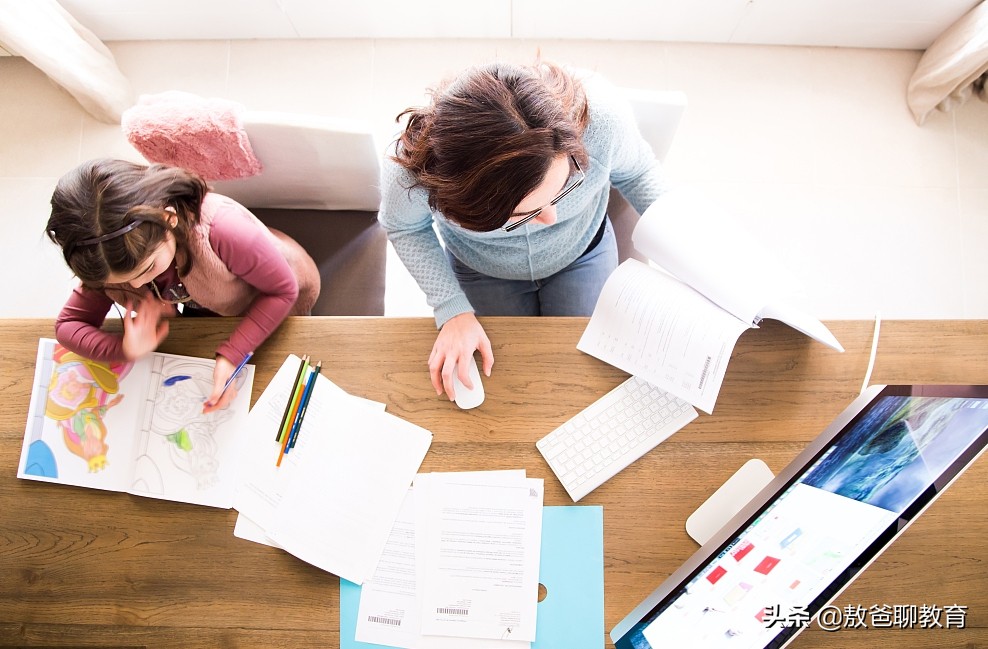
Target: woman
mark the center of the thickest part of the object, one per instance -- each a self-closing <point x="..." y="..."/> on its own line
<point x="513" y="165"/>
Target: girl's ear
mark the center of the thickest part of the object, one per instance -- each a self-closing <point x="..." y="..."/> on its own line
<point x="173" y="217"/>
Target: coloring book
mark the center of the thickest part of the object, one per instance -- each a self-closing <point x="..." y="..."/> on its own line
<point x="133" y="427"/>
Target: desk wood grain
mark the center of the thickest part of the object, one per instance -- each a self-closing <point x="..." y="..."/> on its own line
<point x="80" y="567"/>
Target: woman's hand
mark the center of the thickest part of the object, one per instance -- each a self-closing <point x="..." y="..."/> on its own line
<point x="145" y="325"/>
<point x="454" y="347"/>
<point x="221" y="374"/>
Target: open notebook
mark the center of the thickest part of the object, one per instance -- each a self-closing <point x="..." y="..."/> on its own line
<point x="675" y="323"/>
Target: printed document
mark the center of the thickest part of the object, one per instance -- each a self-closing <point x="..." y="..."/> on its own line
<point x="680" y="344"/>
<point x="481" y="539"/>
<point x="389" y="613"/>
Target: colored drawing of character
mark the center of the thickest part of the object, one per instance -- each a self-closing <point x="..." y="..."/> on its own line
<point x="199" y="458"/>
<point x="189" y="435"/>
<point x="79" y="395"/>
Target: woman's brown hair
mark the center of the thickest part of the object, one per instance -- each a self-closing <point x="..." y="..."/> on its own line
<point x="489" y="136"/>
<point x="100" y="198"/>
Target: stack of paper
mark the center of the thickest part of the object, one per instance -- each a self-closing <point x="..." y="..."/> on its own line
<point x="352" y="459"/>
<point x="461" y="567"/>
<point x="571" y="572"/>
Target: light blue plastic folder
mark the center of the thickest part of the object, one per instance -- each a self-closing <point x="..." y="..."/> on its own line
<point x="571" y="567"/>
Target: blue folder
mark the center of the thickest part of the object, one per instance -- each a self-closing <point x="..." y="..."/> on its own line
<point x="571" y="568"/>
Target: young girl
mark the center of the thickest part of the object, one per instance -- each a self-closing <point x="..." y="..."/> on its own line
<point x="154" y="240"/>
<point x="513" y="164"/>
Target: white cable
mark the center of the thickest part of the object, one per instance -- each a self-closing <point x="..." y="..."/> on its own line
<point x="874" y="351"/>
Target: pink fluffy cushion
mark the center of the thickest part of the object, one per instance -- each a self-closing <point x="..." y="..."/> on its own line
<point x="203" y="135"/>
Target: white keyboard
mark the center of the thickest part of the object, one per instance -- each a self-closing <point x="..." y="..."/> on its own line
<point x="611" y="433"/>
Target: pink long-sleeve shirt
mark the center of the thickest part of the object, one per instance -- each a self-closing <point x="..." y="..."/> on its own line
<point x="249" y="252"/>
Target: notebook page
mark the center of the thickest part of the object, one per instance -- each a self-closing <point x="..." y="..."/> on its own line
<point x="651" y="325"/>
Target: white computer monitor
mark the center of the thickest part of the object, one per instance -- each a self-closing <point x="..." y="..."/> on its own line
<point x="757" y="583"/>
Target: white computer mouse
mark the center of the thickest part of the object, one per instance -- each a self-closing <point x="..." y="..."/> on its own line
<point x="465" y="397"/>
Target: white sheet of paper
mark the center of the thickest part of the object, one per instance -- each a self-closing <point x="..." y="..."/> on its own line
<point x="705" y="246"/>
<point x="680" y="342"/>
<point x="261" y="482"/>
<point x="248" y="530"/>
<point x="481" y="539"/>
<point x="389" y="613"/>
<point x="802" y="322"/>
<point x="337" y="512"/>
<point x="386" y="614"/>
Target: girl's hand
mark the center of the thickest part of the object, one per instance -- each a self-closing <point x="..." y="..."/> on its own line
<point x="221" y="374"/>
<point x="454" y="347"/>
<point x="145" y="325"/>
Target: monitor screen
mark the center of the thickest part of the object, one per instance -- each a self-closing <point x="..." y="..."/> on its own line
<point x="835" y="508"/>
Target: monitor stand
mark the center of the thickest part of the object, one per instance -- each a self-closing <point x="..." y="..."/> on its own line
<point x="728" y="500"/>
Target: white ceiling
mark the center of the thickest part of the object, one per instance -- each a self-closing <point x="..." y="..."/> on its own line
<point x="888" y="24"/>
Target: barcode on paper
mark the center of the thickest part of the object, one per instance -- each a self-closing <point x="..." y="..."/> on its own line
<point x="703" y="374"/>
<point x="390" y="621"/>
<point x="452" y="611"/>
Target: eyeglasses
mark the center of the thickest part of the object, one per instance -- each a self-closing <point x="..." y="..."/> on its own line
<point x="531" y="215"/>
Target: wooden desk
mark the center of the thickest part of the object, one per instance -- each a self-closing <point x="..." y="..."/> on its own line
<point x="82" y="567"/>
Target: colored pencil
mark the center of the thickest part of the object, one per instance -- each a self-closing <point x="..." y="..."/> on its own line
<point x="309" y="389"/>
<point x="233" y="377"/>
<point x="291" y="397"/>
<point x="296" y="404"/>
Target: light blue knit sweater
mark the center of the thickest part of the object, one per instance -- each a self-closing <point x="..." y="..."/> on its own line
<point x="618" y="156"/>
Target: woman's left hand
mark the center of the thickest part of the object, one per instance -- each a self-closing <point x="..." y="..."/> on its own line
<point x="221" y="374"/>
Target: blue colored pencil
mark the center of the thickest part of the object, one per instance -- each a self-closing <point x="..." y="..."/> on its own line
<point x="233" y="377"/>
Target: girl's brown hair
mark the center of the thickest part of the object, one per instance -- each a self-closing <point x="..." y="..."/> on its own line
<point x="104" y="196"/>
<point x="489" y="136"/>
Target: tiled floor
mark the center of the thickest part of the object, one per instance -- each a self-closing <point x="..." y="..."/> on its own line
<point x="813" y="148"/>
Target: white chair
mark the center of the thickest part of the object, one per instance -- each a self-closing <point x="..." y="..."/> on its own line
<point x="319" y="185"/>
<point x="658" y="113"/>
<point x="310" y="162"/>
